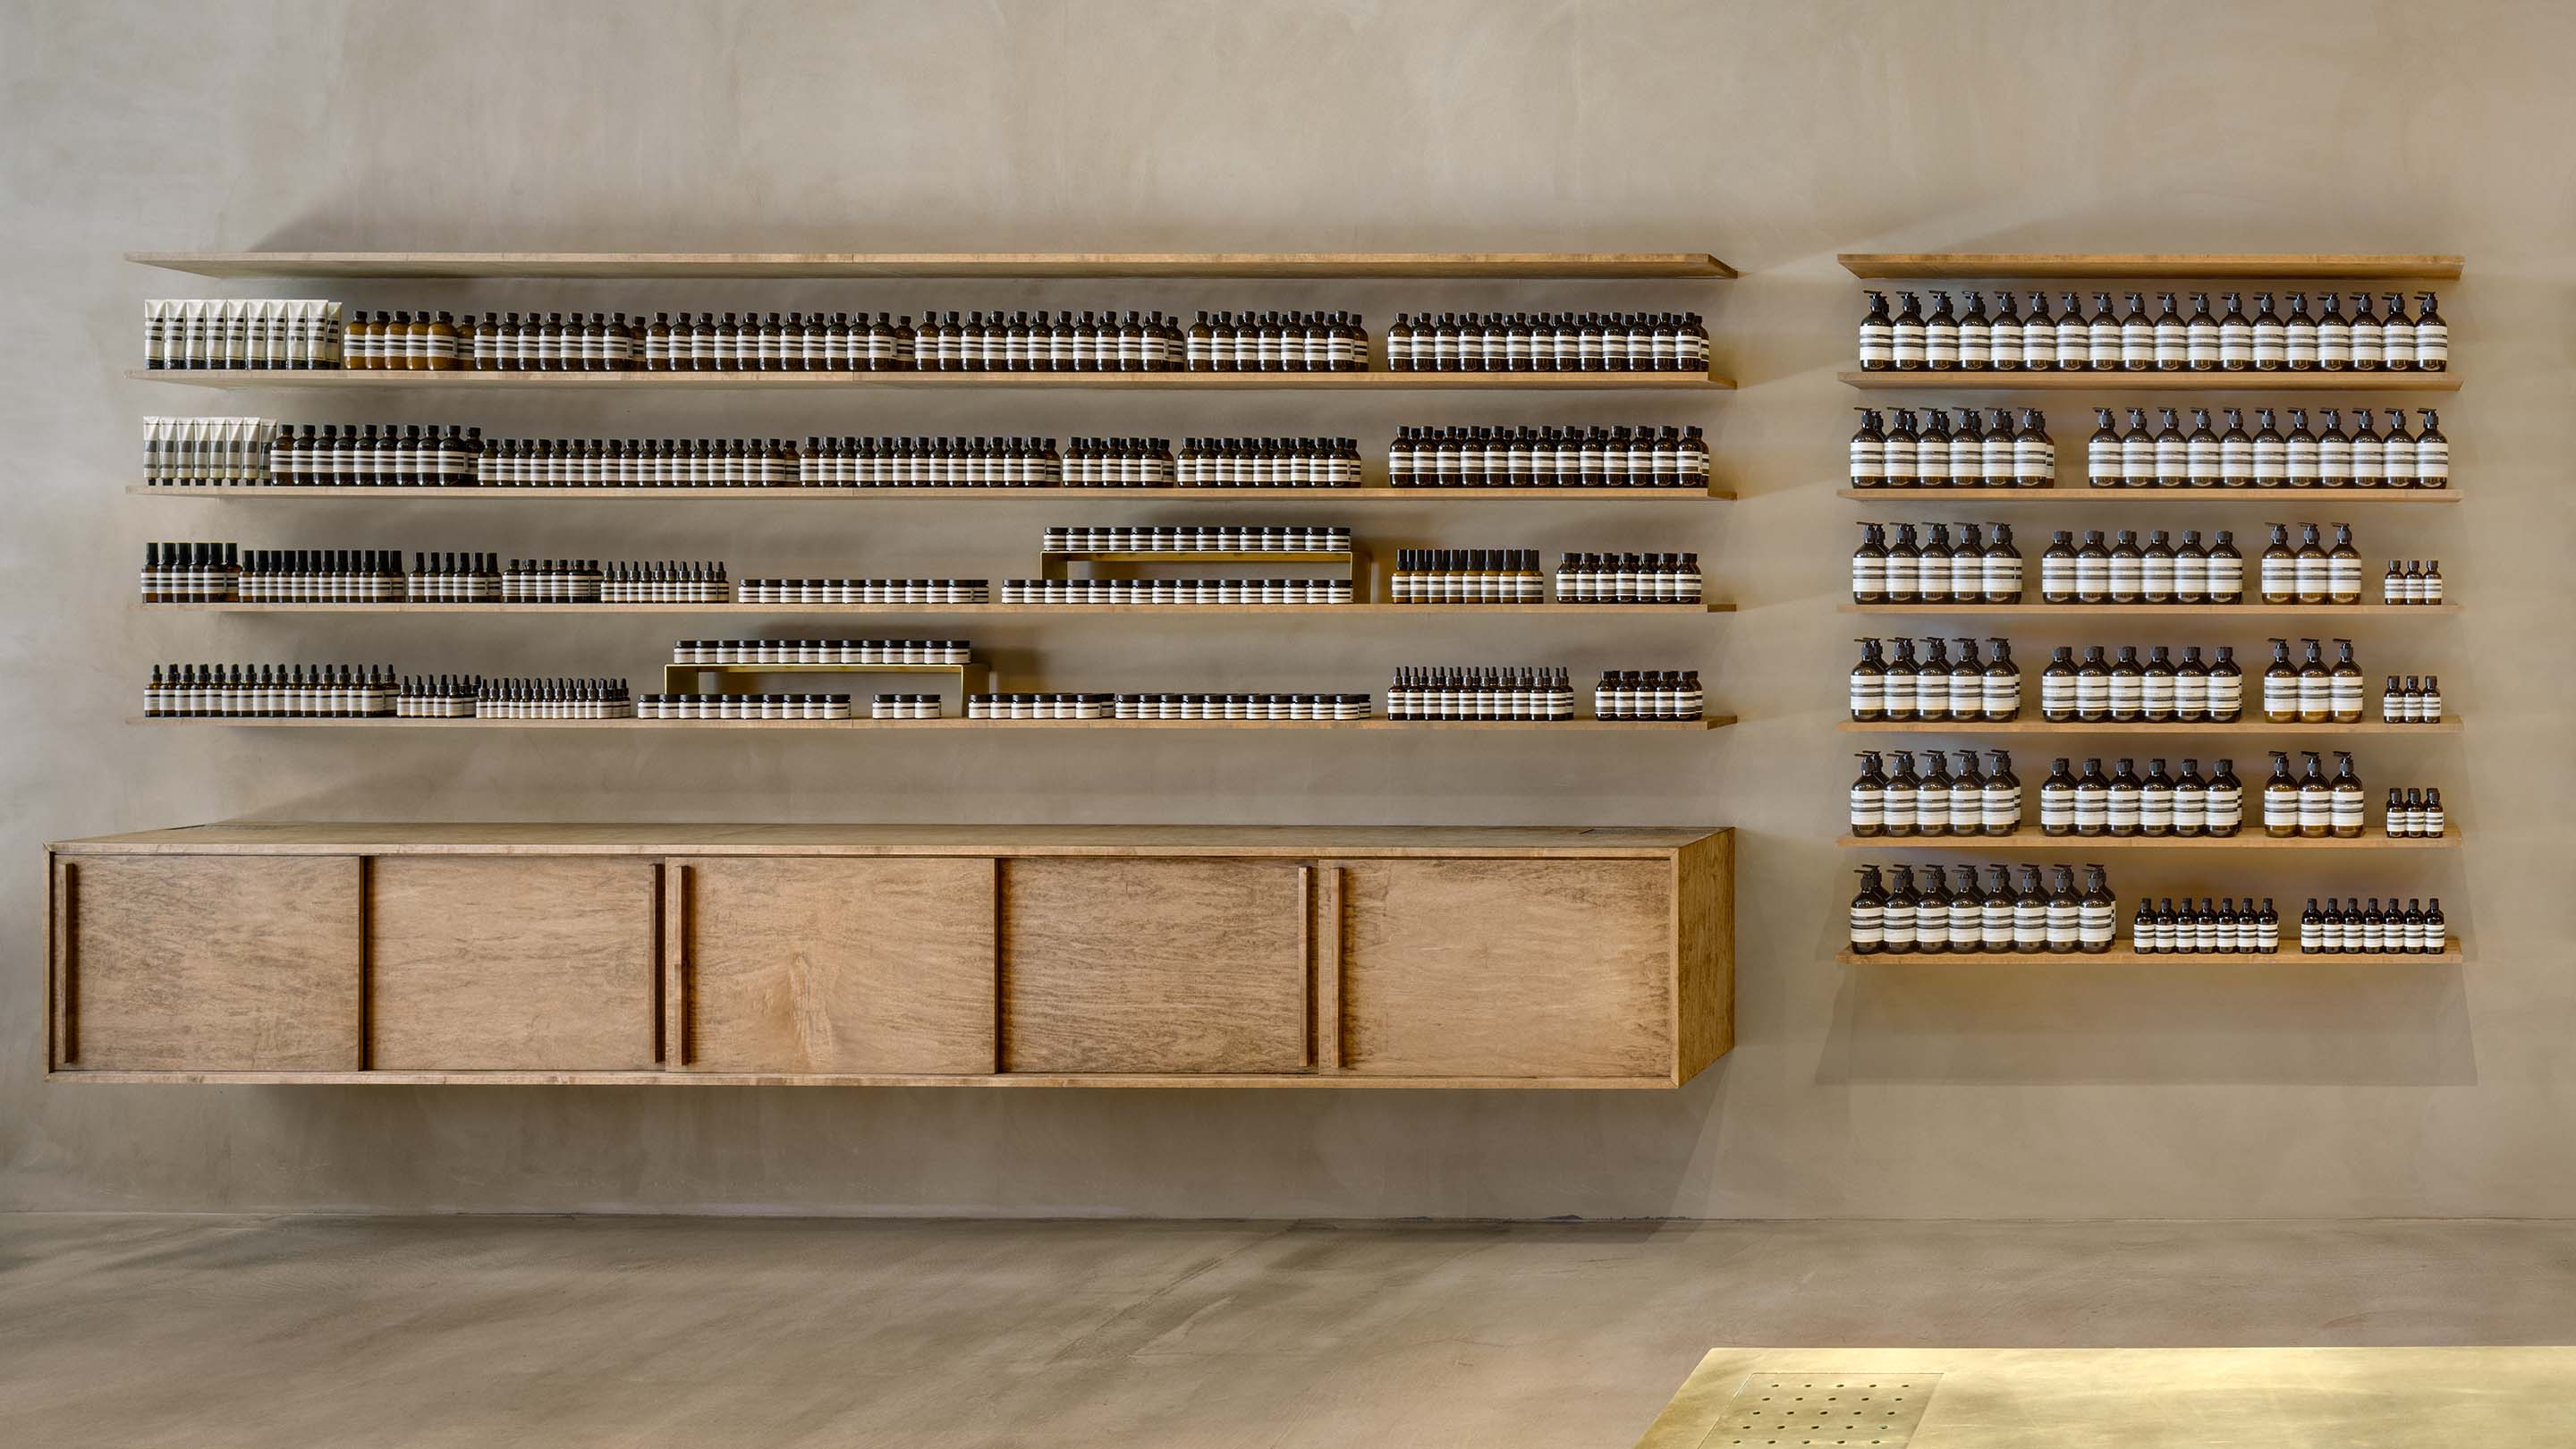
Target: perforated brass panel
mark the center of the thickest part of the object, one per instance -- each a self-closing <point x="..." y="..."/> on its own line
<point x="1859" y="1409"/>
<point x="2124" y="1398"/>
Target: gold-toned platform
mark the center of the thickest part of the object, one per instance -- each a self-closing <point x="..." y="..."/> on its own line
<point x="2124" y="1398"/>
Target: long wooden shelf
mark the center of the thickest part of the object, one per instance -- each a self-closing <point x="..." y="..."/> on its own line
<point x="2122" y="954"/>
<point x="1125" y="1080"/>
<point x="2205" y="611"/>
<point x="2116" y="727"/>
<point x="1554" y="265"/>
<point x="930" y="610"/>
<point x="1711" y="722"/>
<point x="2108" y="381"/>
<point x="971" y="381"/>
<point x="2339" y="496"/>
<point x="1374" y="493"/>
<point x="2252" y="838"/>
<point x="2174" y="265"/>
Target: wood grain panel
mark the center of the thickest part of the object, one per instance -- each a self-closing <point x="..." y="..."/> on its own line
<point x="1537" y="968"/>
<point x="1704" y="953"/>
<point x="487" y="963"/>
<point x="208" y="963"/>
<point x="852" y="966"/>
<point x="1152" y="966"/>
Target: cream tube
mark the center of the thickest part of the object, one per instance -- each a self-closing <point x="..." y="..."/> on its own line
<point x="268" y="333"/>
<point x="327" y="353"/>
<point x="228" y="450"/>
<point x="307" y="351"/>
<point x="155" y="346"/>
<point x="153" y="431"/>
<point x="185" y="349"/>
<point x="230" y="326"/>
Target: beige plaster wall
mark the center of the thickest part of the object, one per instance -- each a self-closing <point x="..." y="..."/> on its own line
<point x="1775" y="135"/>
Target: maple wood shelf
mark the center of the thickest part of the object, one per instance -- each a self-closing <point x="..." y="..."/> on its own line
<point x="1586" y="723"/>
<point x="1366" y="494"/>
<point x="329" y="378"/>
<point x="1501" y="265"/>
<point x="2149" y="611"/>
<point x="2340" y="496"/>
<point x="925" y="610"/>
<point x="2124" y="955"/>
<point x="2251" y="838"/>
<point x="2122" y="381"/>
<point x="2115" y="727"/>
<point x="2175" y="265"/>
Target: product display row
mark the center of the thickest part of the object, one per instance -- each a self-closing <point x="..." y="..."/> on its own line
<point x="475" y="697"/>
<point x="1107" y="341"/>
<point x="2213" y="928"/>
<point x="1927" y="449"/>
<point x="2349" y="928"/>
<point x="241" y="332"/>
<point x="2411" y="581"/>
<point x="2161" y="571"/>
<point x="1932" y="799"/>
<point x="863" y="591"/>
<point x="821" y="651"/>
<point x="1899" y="914"/>
<point x="294" y="690"/>
<point x="1969" y="338"/>
<point x="1933" y="569"/>
<point x="1467" y="576"/>
<point x="1934" y="686"/>
<point x="1547" y="342"/>
<point x="1169" y="706"/>
<point x="1196" y="538"/>
<point x="2326" y="457"/>
<point x="1177" y="591"/>
<point x="1488" y="692"/>
<point x="250" y="452"/>
<point x="1548" y="457"/>
<point x="761" y="706"/>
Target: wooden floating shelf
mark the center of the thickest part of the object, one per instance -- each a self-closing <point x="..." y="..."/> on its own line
<point x="2252" y="839"/>
<point x="2174" y="265"/>
<point x="2115" y="727"/>
<point x="1556" y="265"/>
<point x="2340" y="496"/>
<point x="1371" y="494"/>
<point x="2124" y="955"/>
<point x="2090" y="381"/>
<point x="973" y="381"/>
<point x="925" y="610"/>
<point x="1711" y="722"/>
<point x="2205" y="611"/>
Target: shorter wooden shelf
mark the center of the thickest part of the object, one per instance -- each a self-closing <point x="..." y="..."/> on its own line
<point x="2338" y="496"/>
<point x="2107" y="381"/>
<point x="1715" y="721"/>
<point x="1375" y="493"/>
<point x="2118" y="727"/>
<point x="937" y="610"/>
<point x="2178" y="266"/>
<point x="2252" y="838"/>
<point x="2149" y="611"/>
<point x="1552" y="265"/>
<point x="327" y="378"/>
<point x="2121" y="954"/>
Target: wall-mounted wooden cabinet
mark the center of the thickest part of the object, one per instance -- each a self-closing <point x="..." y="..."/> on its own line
<point x="998" y="956"/>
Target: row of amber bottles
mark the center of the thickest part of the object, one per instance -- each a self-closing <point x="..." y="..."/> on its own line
<point x="2327" y="456"/>
<point x="1967" y="337"/>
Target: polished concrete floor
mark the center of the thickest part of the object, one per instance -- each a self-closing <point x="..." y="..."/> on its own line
<point x="140" y="1332"/>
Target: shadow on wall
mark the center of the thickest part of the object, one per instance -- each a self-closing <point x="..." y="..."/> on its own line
<point x="2283" y="1020"/>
